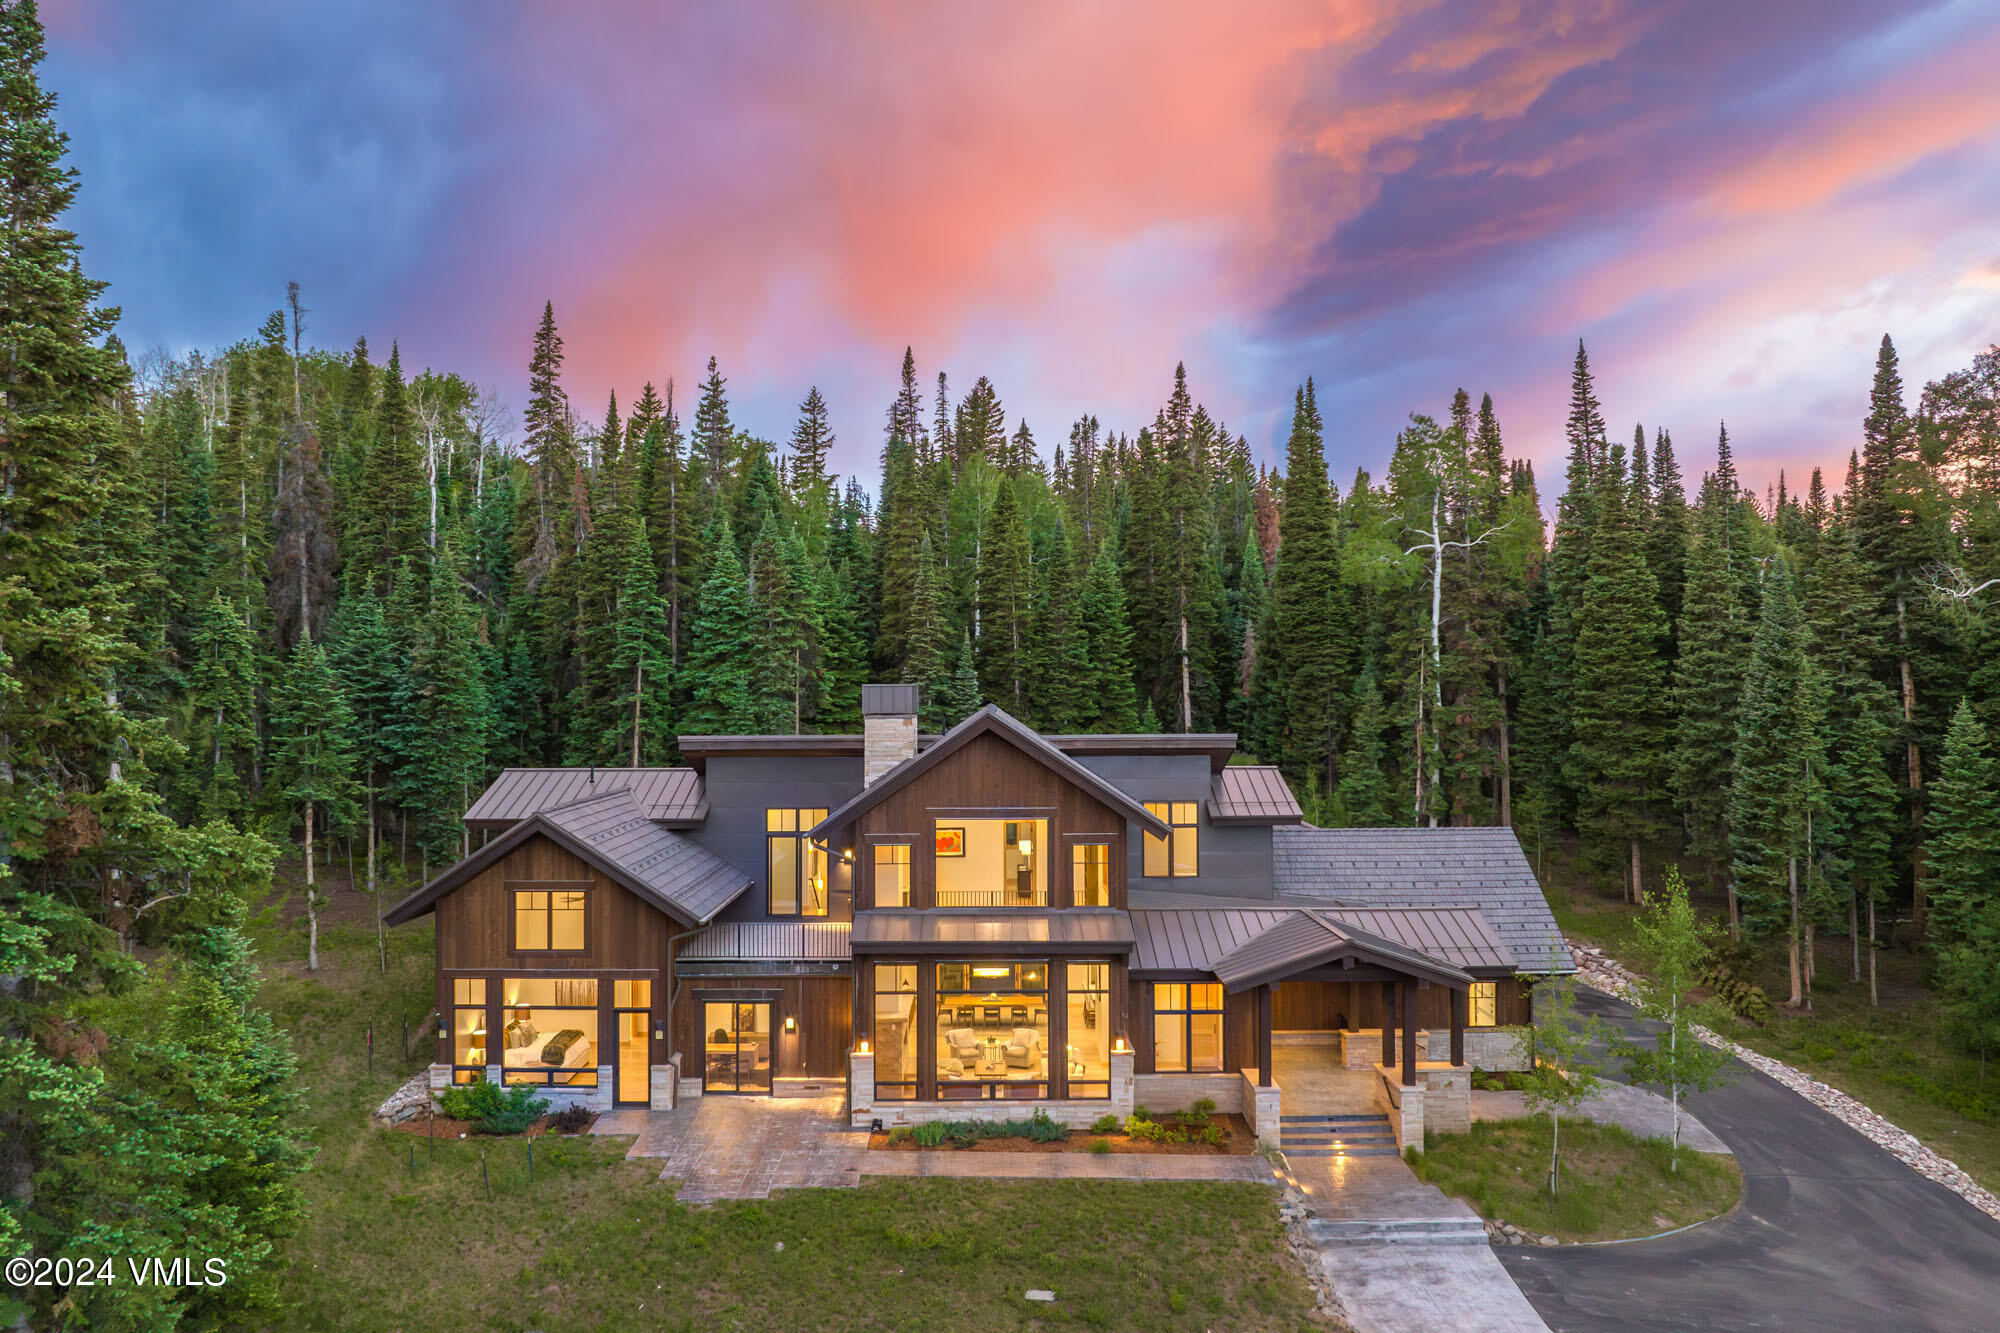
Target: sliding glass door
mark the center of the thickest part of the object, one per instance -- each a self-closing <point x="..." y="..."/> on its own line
<point x="737" y="1046"/>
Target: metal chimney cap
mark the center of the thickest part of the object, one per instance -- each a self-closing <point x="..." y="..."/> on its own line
<point x="888" y="700"/>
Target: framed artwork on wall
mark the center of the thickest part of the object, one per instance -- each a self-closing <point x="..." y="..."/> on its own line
<point x="951" y="842"/>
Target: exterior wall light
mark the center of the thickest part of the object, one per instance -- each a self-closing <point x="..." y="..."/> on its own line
<point x="444" y="1028"/>
<point x="862" y="1048"/>
<point x="791" y="1023"/>
<point x="1120" y="1046"/>
<point x="659" y="1030"/>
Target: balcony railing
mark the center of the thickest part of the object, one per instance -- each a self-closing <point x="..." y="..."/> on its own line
<point x="1015" y="895"/>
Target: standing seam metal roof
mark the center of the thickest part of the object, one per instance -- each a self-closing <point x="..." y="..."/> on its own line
<point x="1193" y="939"/>
<point x="1424" y="867"/>
<point x="1253" y="794"/>
<point x="694" y="881"/>
<point x="671" y="795"/>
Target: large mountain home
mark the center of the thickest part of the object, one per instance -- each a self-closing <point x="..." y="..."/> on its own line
<point x="1075" y="923"/>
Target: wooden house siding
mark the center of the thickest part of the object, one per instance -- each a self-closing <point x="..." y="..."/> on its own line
<point x="1319" y="1005"/>
<point x="989" y="778"/>
<point x="823" y="1007"/>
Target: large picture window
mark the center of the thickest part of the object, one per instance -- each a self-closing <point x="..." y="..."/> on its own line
<point x="1090" y="874"/>
<point x="895" y="1032"/>
<point x="1088" y="1040"/>
<point x="993" y="1029"/>
<point x="550" y="920"/>
<point x="468" y="1029"/>
<point x="549" y="1032"/>
<point x="892" y="874"/>
<point x="796" y="870"/>
<point x="992" y="862"/>
<point x="1179" y="855"/>
<point x="1187" y="1027"/>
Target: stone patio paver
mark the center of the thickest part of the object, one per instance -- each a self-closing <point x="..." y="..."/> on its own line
<point x="746" y="1147"/>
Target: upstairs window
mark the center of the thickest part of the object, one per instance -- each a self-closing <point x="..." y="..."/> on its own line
<point x="1090" y="874"/>
<point x="892" y="874"/>
<point x="549" y="920"/>
<point x="796" y="870"/>
<point x="1178" y="855"/>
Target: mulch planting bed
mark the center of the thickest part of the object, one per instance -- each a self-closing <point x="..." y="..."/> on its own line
<point x="1238" y="1139"/>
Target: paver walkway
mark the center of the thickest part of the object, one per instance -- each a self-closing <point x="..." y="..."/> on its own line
<point x="1646" y="1114"/>
<point x="1401" y="1276"/>
<point x="745" y="1147"/>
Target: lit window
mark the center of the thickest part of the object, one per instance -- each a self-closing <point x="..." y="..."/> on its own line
<point x="1187" y="1026"/>
<point x="796" y="868"/>
<point x="1089" y="1037"/>
<point x="549" y="1031"/>
<point x="1090" y="874"/>
<point x="549" y="921"/>
<point x="1179" y="855"/>
<point x="892" y="874"/>
<point x="468" y="1029"/>
<point x="1484" y="1005"/>
<point x="895" y="1032"/>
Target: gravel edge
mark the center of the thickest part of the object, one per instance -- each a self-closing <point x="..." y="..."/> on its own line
<point x="1599" y="969"/>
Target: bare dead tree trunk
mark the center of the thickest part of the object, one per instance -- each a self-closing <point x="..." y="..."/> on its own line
<point x="1792" y="936"/>
<point x="1506" y="762"/>
<point x="1854" y="932"/>
<point x="1638" y="888"/>
<point x="1873" y="997"/>
<point x="312" y="899"/>
<point x="1919" y="913"/>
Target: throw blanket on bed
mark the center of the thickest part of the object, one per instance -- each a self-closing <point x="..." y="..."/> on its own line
<point x="558" y="1046"/>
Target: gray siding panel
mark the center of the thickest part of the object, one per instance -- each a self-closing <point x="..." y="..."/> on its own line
<point x="740" y="790"/>
<point x="1235" y="861"/>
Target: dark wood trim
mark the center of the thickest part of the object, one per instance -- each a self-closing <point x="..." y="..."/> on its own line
<point x="1458" y="1005"/>
<point x="1409" y="1035"/>
<point x="1264" y="1036"/>
<point x="512" y="889"/>
<point x="1388" y="1024"/>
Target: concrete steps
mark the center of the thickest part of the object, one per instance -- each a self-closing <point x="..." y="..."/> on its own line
<point x="1399" y="1231"/>
<point x="1336" y="1136"/>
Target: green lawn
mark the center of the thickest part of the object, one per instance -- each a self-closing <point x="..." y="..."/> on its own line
<point x="1894" y="1057"/>
<point x="596" y="1242"/>
<point x="1613" y="1184"/>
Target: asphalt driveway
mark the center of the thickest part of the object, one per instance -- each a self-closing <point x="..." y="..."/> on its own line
<point x="1833" y="1233"/>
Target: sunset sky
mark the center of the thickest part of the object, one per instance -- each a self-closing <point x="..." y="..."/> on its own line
<point x="1730" y="203"/>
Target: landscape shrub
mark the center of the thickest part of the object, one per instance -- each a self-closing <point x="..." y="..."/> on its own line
<point x="931" y="1134"/>
<point x="1106" y="1124"/>
<point x="573" y="1119"/>
<point x="492" y="1111"/>
<point x="1100" y="1146"/>
<point x="1042" y="1129"/>
<point x="902" y="1134"/>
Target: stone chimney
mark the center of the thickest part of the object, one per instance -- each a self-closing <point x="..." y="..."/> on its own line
<point x="888" y="728"/>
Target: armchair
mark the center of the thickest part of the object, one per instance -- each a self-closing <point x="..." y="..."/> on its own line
<point x="960" y="1044"/>
<point x="1024" y="1049"/>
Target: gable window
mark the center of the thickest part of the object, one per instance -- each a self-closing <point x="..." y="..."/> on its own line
<point x="1483" y="1005"/>
<point x="549" y="920"/>
<point x="1090" y="874"/>
<point x="892" y="874"/>
<point x="1178" y="855"/>
<point x="1187" y="1026"/>
<point x="992" y="862"/>
<point x="796" y="868"/>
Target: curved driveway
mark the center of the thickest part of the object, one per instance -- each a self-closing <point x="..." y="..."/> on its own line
<point x="1833" y="1233"/>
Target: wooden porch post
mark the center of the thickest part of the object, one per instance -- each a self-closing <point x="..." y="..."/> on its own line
<point x="1388" y="1025"/>
<point x="1408" y="1005"/>
<point x="1458" y="1000"/>
<point x="1264" y="1036"/>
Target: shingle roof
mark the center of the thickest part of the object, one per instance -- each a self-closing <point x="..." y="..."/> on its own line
<point x="1252" y="794"/>
<point x="613" y="833"/>
<point x="768" y="941"/>
<point x="995" y="721"/>
<point x="1442" y="867"/>
<point x="1192" y="939"/>
<point x="670" y="795"/>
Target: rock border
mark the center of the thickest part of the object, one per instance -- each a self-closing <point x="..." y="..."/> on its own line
<point x="1295" y="1213"/>
<point x="1601" y="970"/>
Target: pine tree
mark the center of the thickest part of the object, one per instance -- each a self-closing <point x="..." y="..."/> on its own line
<point x="313" y="759"/>
<point x="1365" y="797"/>
<point x="1306" y="650"/>
<point x="721" y="658"/>
<point x="544" y="530"/>
<point x="222" y="692"/>
<point x="709" y="456"/>
<point x="956" y="697"/>
<point x="1667" y="544"/>
<point x="933" y="640"/>
<point x="390" y="508"/>
<point x="1962" y="827"/>
<point x="1619" y="706"/>
<point x="1110" y="702"/>
<point x="369" y="661"/>
<point x="1006" y="604"/>
<point x="1708" y="689"/>
<point x="812" y="439"/>
<point x="786" y="689"/>
<point x="447" y="701"/>
<point x="1058" y="643"/>
<point x="303" y="550"/>
<point x="1777" y="772"/>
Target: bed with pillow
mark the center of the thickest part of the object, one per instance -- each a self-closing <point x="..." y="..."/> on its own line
<point x="531" y="1050"/>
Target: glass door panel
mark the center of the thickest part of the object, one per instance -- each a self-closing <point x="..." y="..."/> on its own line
<point x="635" y="1076"/>
<point x="738" y="1048"/>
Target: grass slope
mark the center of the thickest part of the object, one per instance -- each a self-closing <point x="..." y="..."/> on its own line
<point x="596" y="1242"/>
<point x="1614" y="1184"/>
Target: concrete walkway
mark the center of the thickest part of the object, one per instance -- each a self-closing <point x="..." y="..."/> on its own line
<point x="1646" y="1114"/>
<point x="1402" y="1256"/>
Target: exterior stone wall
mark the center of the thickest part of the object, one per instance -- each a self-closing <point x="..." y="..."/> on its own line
<point x="1497" y="1049"/>
<point x="1361" y="1048"/>
<point x="1404" y="1105"/>
<point x="663" y="1086"/>
<point x="1260" y="1108"/>
<point x="1179" y="1092"/>
<point x="597" y="1098"/>
<point x="1447" y="1098"/>
<point x="885" y="743"/>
